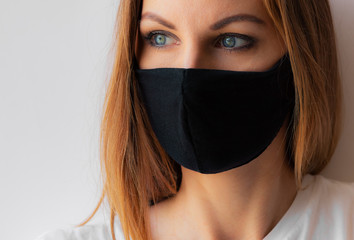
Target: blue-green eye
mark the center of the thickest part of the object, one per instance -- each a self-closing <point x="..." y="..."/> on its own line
<point x="231" y="42"/>
<point x="235" y="42"/>
<point x="159" y="39"/>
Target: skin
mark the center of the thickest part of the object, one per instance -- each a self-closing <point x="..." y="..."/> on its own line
<point x="245" y="202"/>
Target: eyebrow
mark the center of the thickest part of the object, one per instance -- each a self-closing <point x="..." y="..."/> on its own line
<point x="218" y="25"/>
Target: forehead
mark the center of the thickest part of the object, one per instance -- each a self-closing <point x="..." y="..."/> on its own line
<point x="200" y="12"/>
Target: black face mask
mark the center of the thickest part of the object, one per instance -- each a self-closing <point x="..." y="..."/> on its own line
<point x="211" y="120"/>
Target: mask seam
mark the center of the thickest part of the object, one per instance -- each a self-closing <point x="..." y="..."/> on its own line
<point x="189" y="124"/>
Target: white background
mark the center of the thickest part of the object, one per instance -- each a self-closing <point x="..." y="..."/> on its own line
<point x="54" y="64"/>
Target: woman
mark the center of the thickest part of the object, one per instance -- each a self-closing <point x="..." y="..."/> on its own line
<point x="218" y="116"/>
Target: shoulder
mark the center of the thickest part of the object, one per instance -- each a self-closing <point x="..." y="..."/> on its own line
<point x="334" y="193"/>
<point x="98" y="231"/>
<point x="330" y="210"/>
<point x="330" y="198"/>
<point x="322" y="209"/>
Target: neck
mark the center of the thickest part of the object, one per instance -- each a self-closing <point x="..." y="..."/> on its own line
<point x="242" y="203"/>
<point x="236" y="205"/>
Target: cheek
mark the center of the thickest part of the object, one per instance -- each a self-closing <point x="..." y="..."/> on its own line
<point x="271" y="49"/>
<point x="276" y="43"/>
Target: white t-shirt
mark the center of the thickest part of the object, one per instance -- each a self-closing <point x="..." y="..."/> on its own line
<point x="322" y="211"/>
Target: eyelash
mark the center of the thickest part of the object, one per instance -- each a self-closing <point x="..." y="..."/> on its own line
<point x="250" y="40"/>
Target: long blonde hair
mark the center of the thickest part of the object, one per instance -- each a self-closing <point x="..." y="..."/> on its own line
<point x="136" y="171"/>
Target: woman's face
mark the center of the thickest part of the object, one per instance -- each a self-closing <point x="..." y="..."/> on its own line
<point x="233" y="35"/>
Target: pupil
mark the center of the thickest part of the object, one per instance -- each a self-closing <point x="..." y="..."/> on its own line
<point x="229" y="42"/>
<point x="160" y="39"/>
